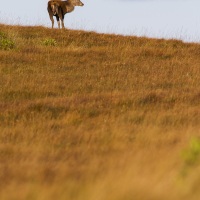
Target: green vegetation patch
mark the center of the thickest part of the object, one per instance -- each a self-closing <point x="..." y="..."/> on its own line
<point x="5" y="42"/>
<point x="49" y="42"/>
<point x="191" y="155"/>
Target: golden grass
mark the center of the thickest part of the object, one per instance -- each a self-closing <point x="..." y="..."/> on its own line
<point x="89" y="116"/>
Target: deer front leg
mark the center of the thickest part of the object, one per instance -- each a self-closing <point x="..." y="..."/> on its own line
<point x="52" y="20"/>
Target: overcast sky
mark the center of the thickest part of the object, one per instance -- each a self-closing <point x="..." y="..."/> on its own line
<point x="154" y="18"/>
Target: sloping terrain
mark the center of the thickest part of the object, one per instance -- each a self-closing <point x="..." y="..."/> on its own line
<point x="87" y="116"/>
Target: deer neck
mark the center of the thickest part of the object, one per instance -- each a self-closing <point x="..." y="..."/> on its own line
<point x="69" y="8"/>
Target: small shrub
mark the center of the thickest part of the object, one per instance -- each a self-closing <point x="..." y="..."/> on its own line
<point x="5" y="42"/>
<point x="49" y="42"/>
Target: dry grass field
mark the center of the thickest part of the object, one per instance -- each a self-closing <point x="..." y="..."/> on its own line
<point x="87" y="116"/>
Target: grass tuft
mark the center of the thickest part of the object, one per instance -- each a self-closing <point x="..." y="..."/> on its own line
<point x="5" y="42"/>
<point x="49" y="42"/>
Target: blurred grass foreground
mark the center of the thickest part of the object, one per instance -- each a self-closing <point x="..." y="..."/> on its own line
<point x="87" y="116"/>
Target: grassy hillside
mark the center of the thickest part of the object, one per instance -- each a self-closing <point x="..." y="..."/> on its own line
<point x="86" y="116"/>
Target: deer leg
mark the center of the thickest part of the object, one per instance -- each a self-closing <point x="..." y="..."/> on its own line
<point x="58" y="20"/>
<point x="58" y="24"/>
<point x="63" y="26"/>
<point x="61" y="16"/>
<point x="52" y="20"/>
<point x="62" y="21"/>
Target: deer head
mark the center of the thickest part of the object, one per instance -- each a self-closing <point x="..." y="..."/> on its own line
<point x="76" y="2"/>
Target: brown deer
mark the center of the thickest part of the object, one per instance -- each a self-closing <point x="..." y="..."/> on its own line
<point x="59" y="8"/>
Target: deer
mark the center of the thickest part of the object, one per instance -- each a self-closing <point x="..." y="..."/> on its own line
<point x="59" y="8"/>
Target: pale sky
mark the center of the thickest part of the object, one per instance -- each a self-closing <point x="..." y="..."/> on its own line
<point x="153" y="18"/>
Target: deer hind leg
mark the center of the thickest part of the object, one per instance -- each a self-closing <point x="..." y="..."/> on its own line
<point x="61" y="16"/>
<point x="62" y="21"/>
<point x="63" y="26"/>
<point x="58" y="20"/>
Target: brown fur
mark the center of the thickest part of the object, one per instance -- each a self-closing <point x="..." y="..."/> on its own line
<point x="59" y="8"/>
